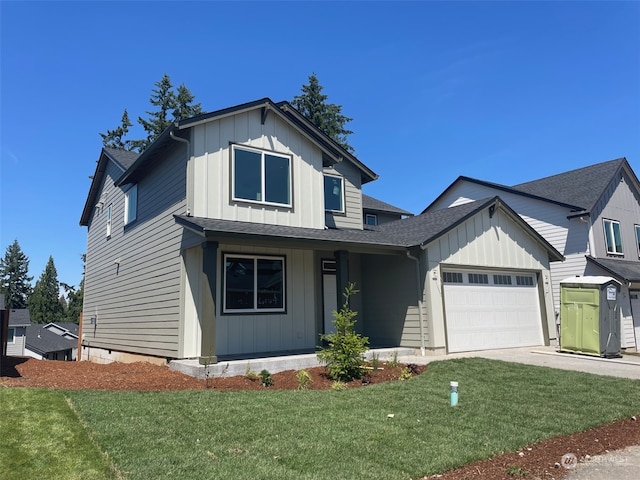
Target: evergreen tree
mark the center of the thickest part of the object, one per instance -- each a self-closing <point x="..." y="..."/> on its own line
<point x="44" y="303"/>
<point x="15" y="282"/>
<point x="115" y="138"/>
<point x="75" y="298"/>
<point x="328" y="117"/>
<point x="185" y="108"/>
<point x="164" y="98"/>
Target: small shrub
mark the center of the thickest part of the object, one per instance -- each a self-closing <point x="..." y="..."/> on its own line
<point x="366" y="379"/>
<point x="516" y="471"/>
<point x="375" y="362"/>
<point x="405" y="374"/>
<point x="265" y="378"/>
<point x="251" y="375"/>
<point x="304" y="379"/>
<point x="338" y="385"/>
<point x="344" y="355"/>
<point x="393" y="359"/>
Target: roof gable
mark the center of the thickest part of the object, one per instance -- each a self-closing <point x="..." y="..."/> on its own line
<point x="370" y="203"/>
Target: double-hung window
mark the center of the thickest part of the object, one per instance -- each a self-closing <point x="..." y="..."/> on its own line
<point x="333" y="193"/>
<point x="261" y="177"/>
<point x="253" y="283"/>
<point x="613" y="237"/>
<point x="130" y="204"/>
<point x="109" y="210"/>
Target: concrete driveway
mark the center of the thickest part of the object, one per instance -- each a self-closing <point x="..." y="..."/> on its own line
<point x="626" y="367"/>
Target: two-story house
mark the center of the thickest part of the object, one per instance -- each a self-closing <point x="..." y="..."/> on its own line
<point x="591" y="215"/>
<point x="235" y="233"/>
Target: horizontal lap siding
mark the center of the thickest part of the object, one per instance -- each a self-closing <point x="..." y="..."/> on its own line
<point x="137" y="302"/>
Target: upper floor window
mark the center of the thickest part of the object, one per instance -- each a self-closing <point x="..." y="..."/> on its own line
<point x="371" y="219"/>
<point x="613" y="237"/>
<point x="109" y="210"/>
<point x="253" y="283"/>
<point x="130" y="204"/>
<point x="261" y="177"/>
<point x="333" y="193"/>
<point x="638" y="238"/>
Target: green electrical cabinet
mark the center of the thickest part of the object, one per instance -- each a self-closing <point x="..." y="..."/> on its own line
<point x="590" y="316"/>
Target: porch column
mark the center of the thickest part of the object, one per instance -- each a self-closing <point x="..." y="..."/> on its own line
<point x="342" y="274"/>
<point x="208" y="311"/>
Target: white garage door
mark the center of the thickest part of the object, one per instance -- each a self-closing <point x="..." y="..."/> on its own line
<point x="486" y="310"/>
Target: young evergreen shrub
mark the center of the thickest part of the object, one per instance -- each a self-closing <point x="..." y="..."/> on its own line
<point x="304" y="379"/>
<point x="344" y="354"/>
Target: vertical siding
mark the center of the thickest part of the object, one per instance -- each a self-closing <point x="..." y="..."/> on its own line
<point x="499" y="243"/>
<point x="137" y="302"/>
<point x="213" y="172"/>
<point x="294" y="329"/>
<point x="390" y="299"/>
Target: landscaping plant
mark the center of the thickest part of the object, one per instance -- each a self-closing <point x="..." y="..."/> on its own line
<point x="344" y="354"/>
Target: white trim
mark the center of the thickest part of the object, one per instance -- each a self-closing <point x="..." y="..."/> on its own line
<point x="131" y="193"/>
<point x="371" y="215"/>
<point x="342" y="197"/>
<point x="109" y="218"/>
<point x="609" y="227"/>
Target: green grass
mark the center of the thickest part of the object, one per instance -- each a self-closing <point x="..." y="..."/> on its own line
<point x="346" y="434"/>
<point x="41" y="437"/>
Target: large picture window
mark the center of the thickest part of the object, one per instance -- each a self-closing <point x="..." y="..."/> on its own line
<point x="261" y="177"/>
<point x="253" y="283"/>
<point x="333" y="193"/>
<point x="613" y="237"/>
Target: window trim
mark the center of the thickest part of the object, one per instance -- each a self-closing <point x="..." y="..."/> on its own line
<point x="371" y="215"/>
<point x="262" y="153"/>
<point x="608" y="226"/>
<point x="255" y="309"/>
<point x="109" y="219"/>
<point x="132" y="192"/>
<point x="342" y="193"/>
<point x="637" y="229"/>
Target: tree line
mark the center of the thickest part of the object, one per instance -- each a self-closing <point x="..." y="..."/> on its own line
<point x="170" y="104"/>
<point x="45" y="302"/>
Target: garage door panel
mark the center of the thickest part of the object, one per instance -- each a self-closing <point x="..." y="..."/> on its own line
<point x="481" y="317"/>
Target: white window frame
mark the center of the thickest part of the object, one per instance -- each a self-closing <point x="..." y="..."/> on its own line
<point x="637" y="229"/>
<point x="342" y="198"/>
<point x="368" y="216"/>
<point x="131" y="204"/>
<point x="262" y="153"/>
<point x="610" y="232"/>
<point x="109" y="218"/>
<point x="255" y="308"/>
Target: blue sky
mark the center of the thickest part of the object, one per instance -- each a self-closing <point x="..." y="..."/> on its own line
<point x="502" y="91"/>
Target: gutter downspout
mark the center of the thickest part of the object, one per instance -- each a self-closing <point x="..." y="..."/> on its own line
<point x="420" y="314"/>
<point x="189" y="166"/>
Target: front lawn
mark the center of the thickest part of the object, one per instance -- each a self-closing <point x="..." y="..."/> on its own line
<point x="349" y="434"/>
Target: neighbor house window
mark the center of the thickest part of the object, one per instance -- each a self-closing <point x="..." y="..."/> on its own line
<point x="333" y="193"/>
<point x="452" y="277"/>
<point x="638" y="238"/>
<point x="130" y="204"/>
<point x="371" y="219"/>
<point x="109" y="210"/>
<point x="524" y="280"/>
<point x="613" y="237"/>
<point x="261" y="177"/>
<point x="253" y="283"/>
<point x="502" y="279"/>
<point x="11" y="335"/>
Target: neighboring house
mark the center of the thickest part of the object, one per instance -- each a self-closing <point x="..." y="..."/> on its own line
<point x="377" y="212"/>
<point x="43" y="343"/>
<point x="68" y="330"/>
<point x="236" y="232"/>
<point x="591" y="215"/>
<point x="19" y="320"/>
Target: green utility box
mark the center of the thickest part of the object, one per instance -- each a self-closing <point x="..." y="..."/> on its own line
<point x="590" y="316"/>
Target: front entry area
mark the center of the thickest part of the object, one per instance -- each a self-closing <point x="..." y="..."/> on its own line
<point x="329" y="290"/>
<point x="488" y="310"/>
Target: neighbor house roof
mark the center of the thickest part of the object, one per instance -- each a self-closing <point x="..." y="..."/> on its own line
<point x="398" y="234"/>
<point x="625" y="270"/>
<point x="65" y="329"/>
<point x="373" y="204"/>
<point x="19" y="317"/>
<point x="42" y="341"/>
<point x="578" y="190"/>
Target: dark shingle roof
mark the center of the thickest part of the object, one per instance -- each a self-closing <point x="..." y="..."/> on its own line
<point x="624" y="270"/>
<point x="19" y="317"/>
<point x="123" y="157"/>
<point x="370" y="203"/>
<point x="42" y="341"/>
<point x="581" y="187"/>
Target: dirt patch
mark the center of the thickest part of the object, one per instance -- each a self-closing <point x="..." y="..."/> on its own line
<point x="538" y="461"/>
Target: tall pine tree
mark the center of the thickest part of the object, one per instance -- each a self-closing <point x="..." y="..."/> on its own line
<point x="44" y="302"/>
<point x="15" y="282"/>
<point x="328" y="117"/>
<point x="115" y="138"/>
